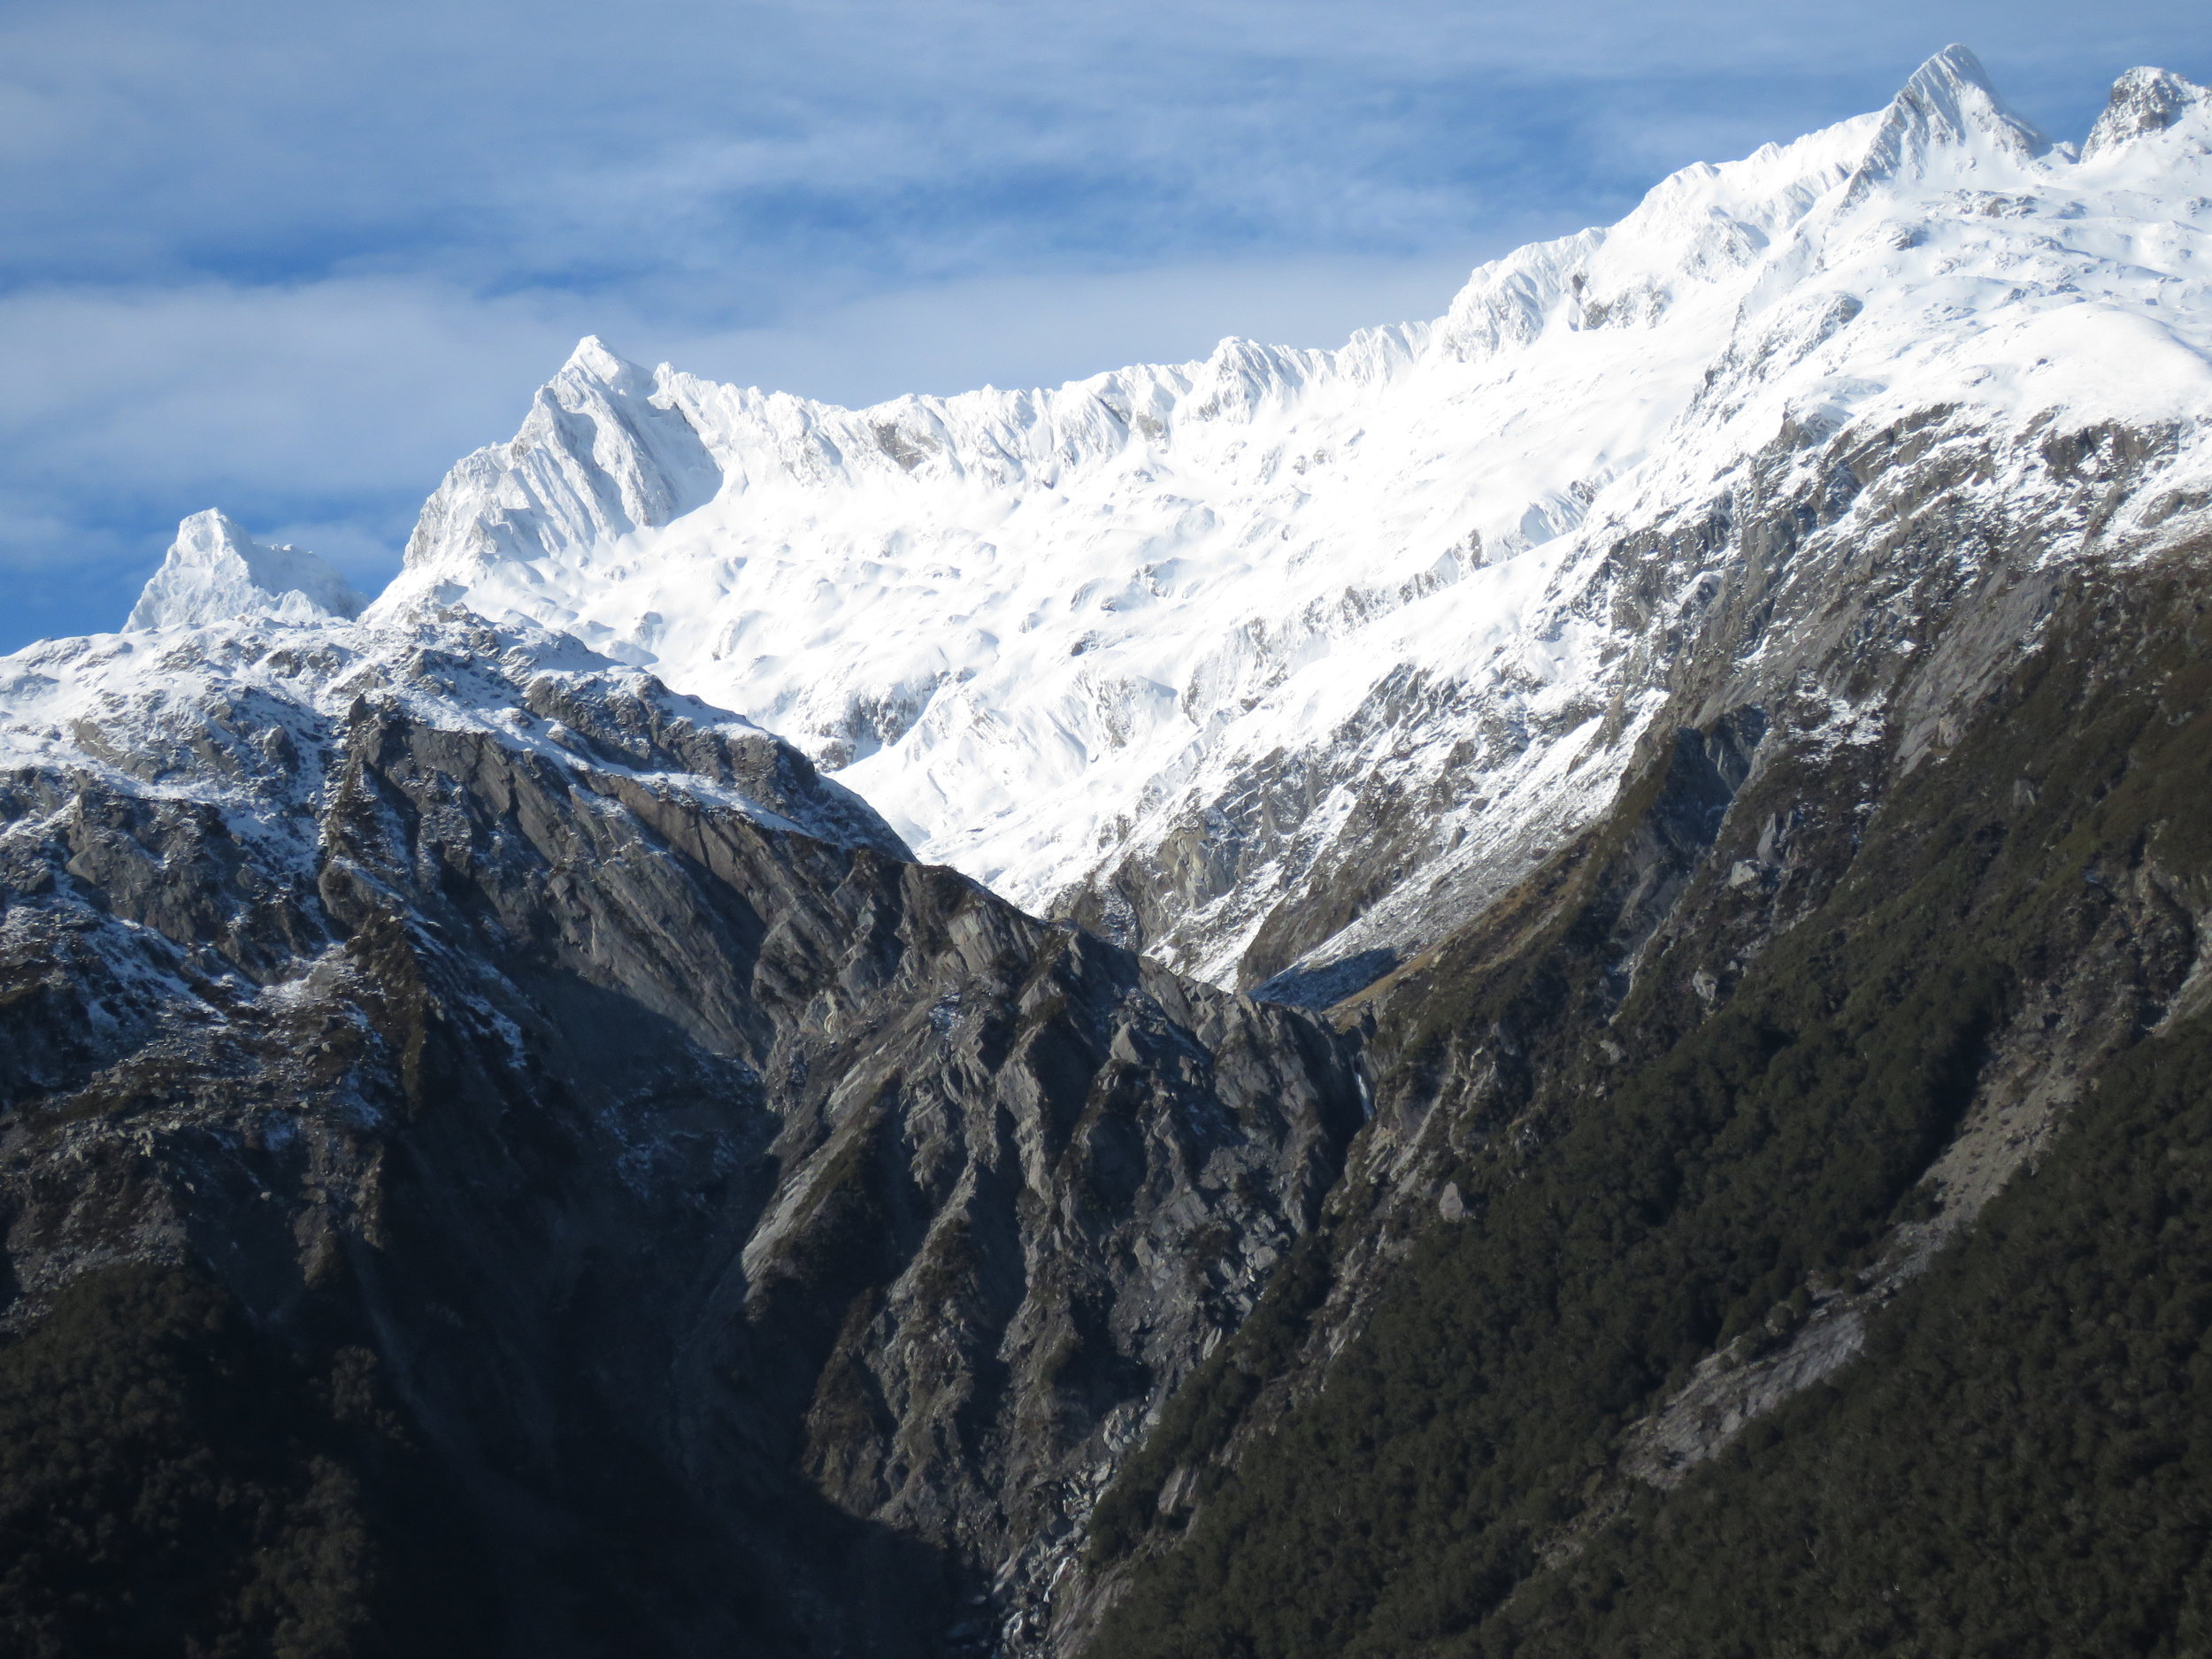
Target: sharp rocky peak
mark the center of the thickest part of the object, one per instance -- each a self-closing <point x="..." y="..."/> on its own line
<point x="595" y="360"/>
<point x="1947" y="107"/>
<point x="216" y="573"/>
<point x="603" y="452"/>
<point x="2143" y="101"/>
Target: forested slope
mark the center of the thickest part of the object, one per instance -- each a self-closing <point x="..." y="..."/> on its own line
<point x="1764" y="1161"/>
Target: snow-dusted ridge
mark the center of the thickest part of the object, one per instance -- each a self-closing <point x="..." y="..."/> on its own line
<point x="1176" y="649"/>
<point x="249" y="717"/>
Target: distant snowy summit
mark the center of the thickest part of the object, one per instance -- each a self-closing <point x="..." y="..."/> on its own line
<point x="216" y="573"/>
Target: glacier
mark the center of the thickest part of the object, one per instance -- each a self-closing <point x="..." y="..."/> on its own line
<point x="1279" y="664"/>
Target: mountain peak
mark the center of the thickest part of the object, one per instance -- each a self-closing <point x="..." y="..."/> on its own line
<point x="215" y="572"/>
<point x="595" y="358"/>
<point x="1948" y="105"/>
<point x="2144" y="100"/>
<point x="1951" y="71"/>
<point x="596" y="457"/>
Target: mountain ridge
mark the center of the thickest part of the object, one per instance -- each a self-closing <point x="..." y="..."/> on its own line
<point x="993" y="675"/>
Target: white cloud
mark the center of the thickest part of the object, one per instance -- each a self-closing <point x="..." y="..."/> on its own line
<point x="352" y="384"/>
<point x="561" y="141"/>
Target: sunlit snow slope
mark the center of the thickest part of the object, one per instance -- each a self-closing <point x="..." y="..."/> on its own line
<point x="216" y="573"/>
<point x="1205" y="653"/>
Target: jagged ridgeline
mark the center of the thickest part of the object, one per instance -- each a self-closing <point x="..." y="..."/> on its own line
<point x="1698" y="760"/>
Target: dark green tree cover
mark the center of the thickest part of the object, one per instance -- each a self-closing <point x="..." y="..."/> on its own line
<point x="2021" y="1464"/>
<point x="172" y="1484"/>
<point x="1409" y="1499"/>
<point x="1626" y="1227"/>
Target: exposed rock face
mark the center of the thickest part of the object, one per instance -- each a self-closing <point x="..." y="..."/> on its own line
<point x="2143" y="101"/>
<point x="498" y="1010"/>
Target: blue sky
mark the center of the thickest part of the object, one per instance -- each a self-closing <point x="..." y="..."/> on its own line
<point x="295" y="259"/>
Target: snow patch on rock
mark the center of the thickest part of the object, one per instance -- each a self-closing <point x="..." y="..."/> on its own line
<point x="251" y="717"/>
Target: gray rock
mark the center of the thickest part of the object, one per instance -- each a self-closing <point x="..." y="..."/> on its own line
<point x="669" y="1157"/>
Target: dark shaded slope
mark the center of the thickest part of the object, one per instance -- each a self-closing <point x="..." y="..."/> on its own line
<point x="1658" y="1141"/>
<point x="743" y="1242"/>
<point x="171" y="1481"/>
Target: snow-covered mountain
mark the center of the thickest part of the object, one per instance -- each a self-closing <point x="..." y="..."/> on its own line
<point x="216" y="573"/>
<point x="1163" y="646"/>
<point x="236" y="719"/>
<point x="1299" y="655"/>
